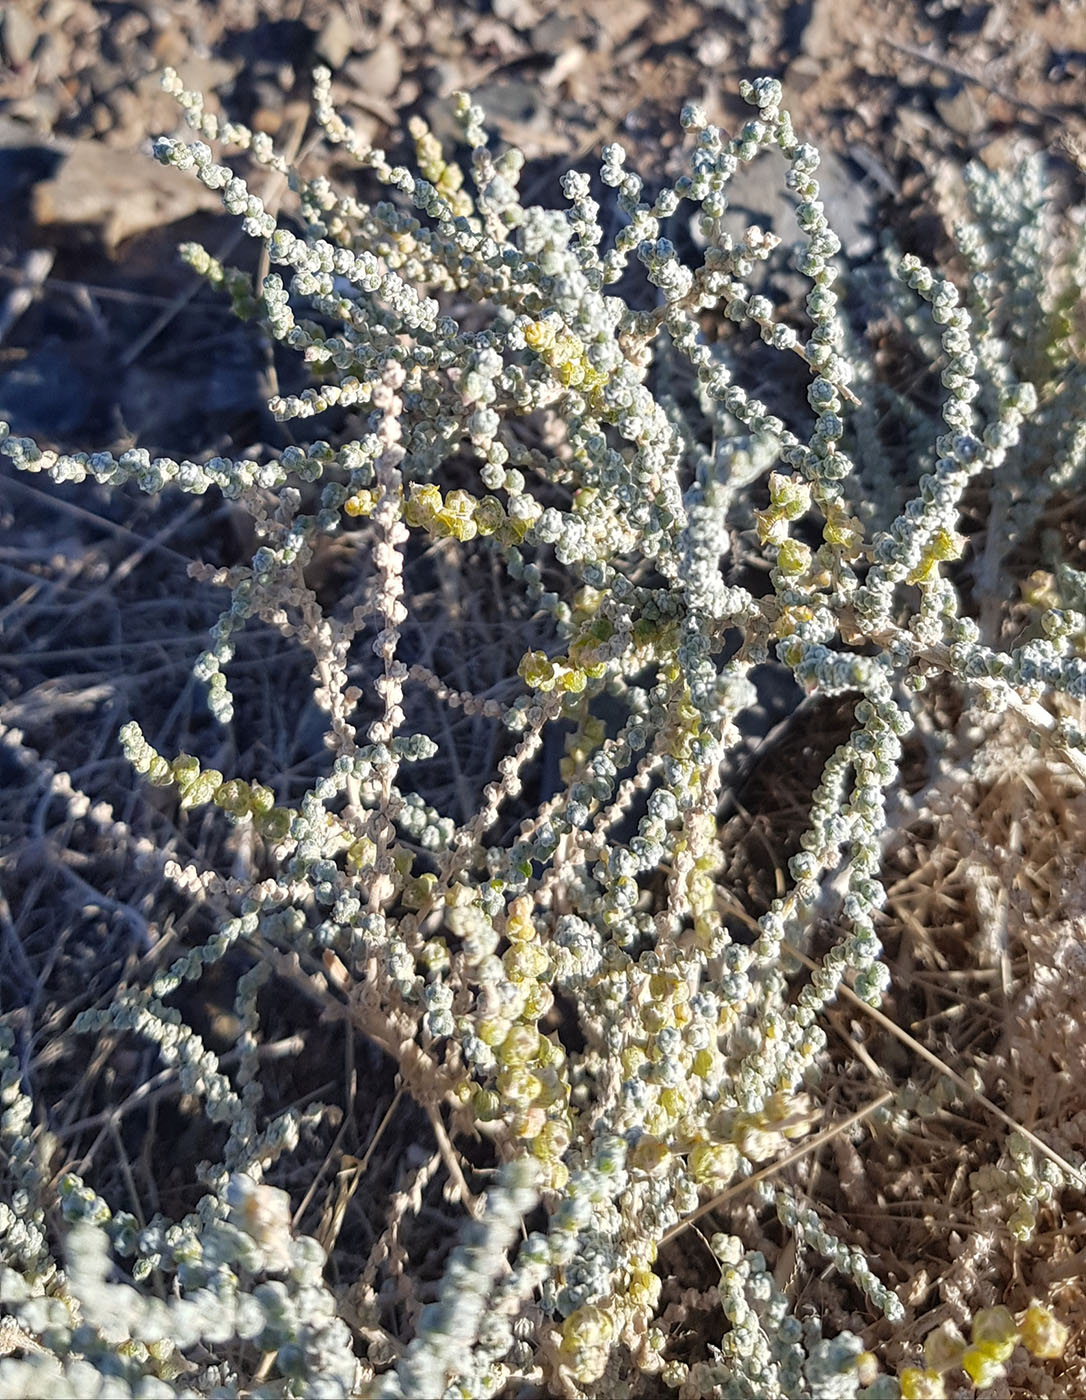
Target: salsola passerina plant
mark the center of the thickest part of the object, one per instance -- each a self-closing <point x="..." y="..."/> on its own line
<point x="561" y="969"/>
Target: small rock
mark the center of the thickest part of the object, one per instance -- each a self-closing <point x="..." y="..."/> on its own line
<point x="619" y="20"/>
<point x="52" y="57"/>
<point x="412" y="34"/>
<point x="378" y="73"/>
<point x="566" y="63"/>
<point x="101" y="118"/>
<point x="265" y="97"/>
<point x="1003" y="152"/>
<point x="55" y="12"/>
<point x="961" y="112"/>
<point x="520" y="14"/>
<point x="850" y="205"/>
<point x="555" y="33"/>
<point x="492" y="35"/>
<point x="758" y="196"/>
<point x="335" y="42"/>
<point x="169" y="48"/>
<point x="998" y="26"/>
<point x="802" y="74"/>
<point x="672" y="24"/>
<point x="204" y="75"/>
<point x="155" y="111"/>
<point x="914" y="128"/>
<point x="822" y="32"/>
<point x="713" y="49"/>
<point x="510" y="100"/>
<point x="128" y="118"/>
<point x="18" y="36"/>
<point x="111" y="195"/>
<point x="40" y="110"/>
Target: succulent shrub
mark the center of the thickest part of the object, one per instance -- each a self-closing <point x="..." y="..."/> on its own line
<point x="561" y="970"/>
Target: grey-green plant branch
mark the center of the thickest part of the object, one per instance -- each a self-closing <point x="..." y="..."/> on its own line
<point x="556" y="969"/>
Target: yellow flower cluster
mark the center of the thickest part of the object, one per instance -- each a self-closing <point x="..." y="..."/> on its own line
<point x="460" y="515"/>
<point x="842" y="530"/>
<point x="197" y="786"/>
<point x="543" y="673"/>
<point x="566" y="356"/>
<point x="581" y="745"/>
<point x="241" y="799"/>
<point x="531" y="1091"/>
<point x="993" y="1337"/>
<point x="943" y="546"/>
<point x="789" y="499"/>
<point x="445" y="176"/>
